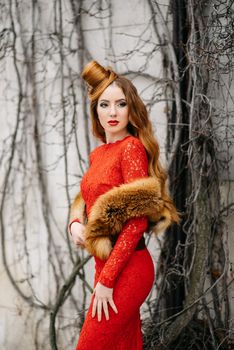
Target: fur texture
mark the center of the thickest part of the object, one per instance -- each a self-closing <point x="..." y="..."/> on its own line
<point x="111" y="210"/>
<point x="78" y="209"/>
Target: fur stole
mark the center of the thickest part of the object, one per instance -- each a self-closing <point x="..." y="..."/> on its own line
<point x="141" y="197"/>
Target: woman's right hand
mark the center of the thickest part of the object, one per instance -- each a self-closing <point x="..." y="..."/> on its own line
<point x="77" y="233"/>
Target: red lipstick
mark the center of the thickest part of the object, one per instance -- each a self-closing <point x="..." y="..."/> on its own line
<point x="113" y="122"/>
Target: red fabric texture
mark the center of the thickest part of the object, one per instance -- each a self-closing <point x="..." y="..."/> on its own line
<point x="130" y="273"/>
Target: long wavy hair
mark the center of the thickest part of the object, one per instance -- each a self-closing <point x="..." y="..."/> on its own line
<point x="97" y="79"/>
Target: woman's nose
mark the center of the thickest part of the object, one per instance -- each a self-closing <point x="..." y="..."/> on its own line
<point x="112" y="110"/>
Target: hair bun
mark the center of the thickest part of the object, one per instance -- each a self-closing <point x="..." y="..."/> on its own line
<point x="94" y="73"/>
<point x="97" y="78"/>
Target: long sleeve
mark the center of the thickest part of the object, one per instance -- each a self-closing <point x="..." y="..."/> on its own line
<point x="134" y="164"/>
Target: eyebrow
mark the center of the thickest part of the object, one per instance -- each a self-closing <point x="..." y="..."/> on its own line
<point x="121" y="99"/>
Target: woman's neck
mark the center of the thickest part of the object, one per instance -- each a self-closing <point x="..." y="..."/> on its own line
<point x="114" y="138"/>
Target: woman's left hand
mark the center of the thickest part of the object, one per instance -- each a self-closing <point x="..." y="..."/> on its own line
<point x="102" y="296"/>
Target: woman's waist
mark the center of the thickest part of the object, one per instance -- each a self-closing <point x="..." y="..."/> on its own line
<point x="99" y="264"/>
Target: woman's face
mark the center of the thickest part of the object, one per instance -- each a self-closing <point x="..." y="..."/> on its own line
<point x="112" y="110"/>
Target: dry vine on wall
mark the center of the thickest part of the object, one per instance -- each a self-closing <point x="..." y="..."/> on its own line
<point x="48" y="112"/>
<point x="194" y="310"/>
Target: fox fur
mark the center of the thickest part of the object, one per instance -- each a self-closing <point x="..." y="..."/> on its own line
<point x="141" y="197"/>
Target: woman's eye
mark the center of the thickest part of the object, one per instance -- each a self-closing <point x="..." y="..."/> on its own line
<point x="122" y="104"/>
<point x="103" y="105"/>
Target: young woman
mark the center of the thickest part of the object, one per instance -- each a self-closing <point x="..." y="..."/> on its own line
<point x="123" y="194"/>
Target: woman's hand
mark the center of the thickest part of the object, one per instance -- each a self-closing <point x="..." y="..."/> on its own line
<point x="102" y="296"/>
<point x="77" y="233"/>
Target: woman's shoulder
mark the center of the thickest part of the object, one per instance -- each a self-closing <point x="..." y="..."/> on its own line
<point x="132" y="143"/>
<point x="93" y="153"/>
<point x="134" y="160"/>
<point x="129" y="144"/>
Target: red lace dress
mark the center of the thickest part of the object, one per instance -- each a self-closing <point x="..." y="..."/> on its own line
<point x="128" y="271"/>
